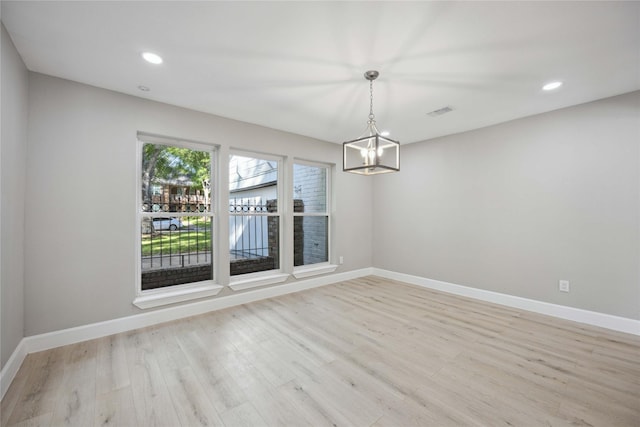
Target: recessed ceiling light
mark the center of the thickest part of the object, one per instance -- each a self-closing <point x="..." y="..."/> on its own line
<point x="384" y="133"/>
<point x="552" y="86"/>
<point x="152" y="58"/>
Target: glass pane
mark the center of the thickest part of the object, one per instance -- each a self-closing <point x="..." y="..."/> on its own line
<point x="254" y="243"/>
<point x="309" y="188"/>
<point x="175" y="179"/>
<point x="310" y="240"/>
<point x="253" y="237"/>
<point x="254" y="178"/>
<point x="176" y="250"/>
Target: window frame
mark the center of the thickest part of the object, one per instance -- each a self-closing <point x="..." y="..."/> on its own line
<point x="188" y="291"/>
<point x="277" y="275"/>
<point x="324" y="267"/>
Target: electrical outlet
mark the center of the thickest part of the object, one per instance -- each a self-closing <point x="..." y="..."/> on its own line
<point x="341" y="260"/>
<point x="563" y="286"/>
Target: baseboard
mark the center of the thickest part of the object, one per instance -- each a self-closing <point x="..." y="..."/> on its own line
<point x="10" y="369"/>
<point x="54" y="339"/>
<point x="608" y="321"/>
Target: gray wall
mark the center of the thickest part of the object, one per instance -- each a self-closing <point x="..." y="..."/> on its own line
<point x="515" y="207"/>
<point x="13" y="157"/>
<point x="81" y="168"/>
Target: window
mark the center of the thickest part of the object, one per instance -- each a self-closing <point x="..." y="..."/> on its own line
<point x="310" y="214"/>
<point x="176" y="218"/>
<point x="254" y="214"/>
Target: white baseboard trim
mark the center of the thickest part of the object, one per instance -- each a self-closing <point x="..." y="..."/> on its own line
<point x="608" y="321"/>
<point x="10" y="369"/>
<point x="54" y="339"/>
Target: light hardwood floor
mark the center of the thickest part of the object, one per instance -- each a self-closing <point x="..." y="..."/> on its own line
<point x="366" y="352"/>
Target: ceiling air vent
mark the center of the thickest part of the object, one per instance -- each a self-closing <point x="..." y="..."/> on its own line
<point x="439" y="112"/>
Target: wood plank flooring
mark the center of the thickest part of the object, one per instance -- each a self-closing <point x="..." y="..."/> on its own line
<point x="366" y="352"/>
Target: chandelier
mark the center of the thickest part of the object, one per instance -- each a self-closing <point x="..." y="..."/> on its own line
<point x="371" y="153"/>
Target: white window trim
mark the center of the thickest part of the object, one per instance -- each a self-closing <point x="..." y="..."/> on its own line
<point x="254" y="280"/>
<point x="184" y="292"/>
<point x="178" y="293"/>
<point x="303" y="271"/>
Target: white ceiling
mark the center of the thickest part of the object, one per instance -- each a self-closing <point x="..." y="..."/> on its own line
<point x="298" y="66"/>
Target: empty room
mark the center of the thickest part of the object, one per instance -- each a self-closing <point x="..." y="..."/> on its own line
<point x="233" y="213"/>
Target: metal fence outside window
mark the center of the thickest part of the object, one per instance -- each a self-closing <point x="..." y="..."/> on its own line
<point x="175" y="242"/>
<point x="248" y="228"/>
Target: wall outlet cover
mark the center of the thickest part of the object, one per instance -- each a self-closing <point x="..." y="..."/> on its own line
<point x="563" y="286"/>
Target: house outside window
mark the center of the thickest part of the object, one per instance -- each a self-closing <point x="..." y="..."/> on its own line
<point x="176" y="217"/>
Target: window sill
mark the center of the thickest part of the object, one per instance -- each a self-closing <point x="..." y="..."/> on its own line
<point x="254" y="282"/>
<point x="314" y="271"/>
<point x="165" y="296"/>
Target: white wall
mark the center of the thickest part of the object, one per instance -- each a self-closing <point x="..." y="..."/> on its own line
<point x="81" y="175"/>
<point x="515" y="207"/>
<point x="13" y="150"/>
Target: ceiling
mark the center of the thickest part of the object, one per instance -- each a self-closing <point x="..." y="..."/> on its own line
<point x="298" y="66"/>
